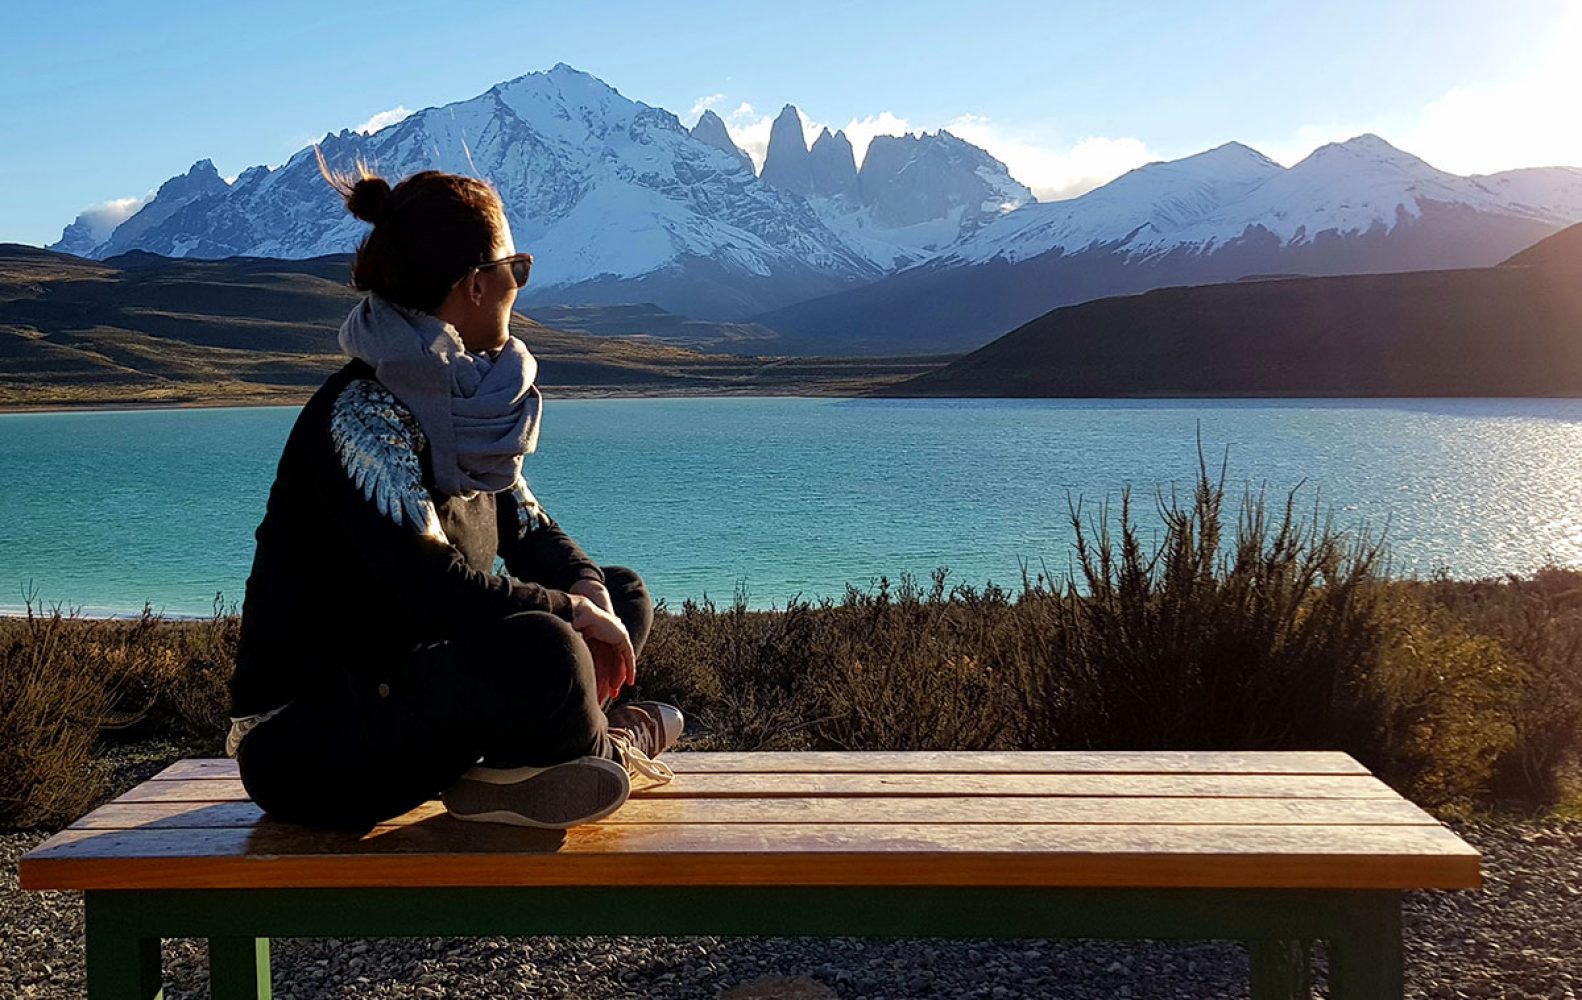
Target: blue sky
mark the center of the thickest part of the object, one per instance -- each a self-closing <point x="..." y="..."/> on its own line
<point x="103" y="101"/>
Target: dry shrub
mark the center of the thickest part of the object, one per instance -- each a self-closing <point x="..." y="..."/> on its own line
<point x="67" y="682"/>
<point x="885" y="669"/>
<point x="740" y="675"/>
<point x="1538" y="622"/>
<point x="917" y="671"/>
<point x="1257" y="641"/>
<point x="1277" y="632"/>
<point x="1449" y="703"/>
<point x="171" y="677"/>
<point x="48" y="723"/>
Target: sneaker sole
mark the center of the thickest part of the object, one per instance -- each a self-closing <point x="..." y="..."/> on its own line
<point x="547" y="798"/>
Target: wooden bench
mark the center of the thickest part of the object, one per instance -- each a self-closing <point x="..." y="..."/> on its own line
<point x="1274" y="849"/>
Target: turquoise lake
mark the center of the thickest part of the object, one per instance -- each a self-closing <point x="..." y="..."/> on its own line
<point x="103" y="511"/>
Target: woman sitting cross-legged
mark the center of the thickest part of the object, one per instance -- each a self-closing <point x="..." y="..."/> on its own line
<point x="382" y="661"/>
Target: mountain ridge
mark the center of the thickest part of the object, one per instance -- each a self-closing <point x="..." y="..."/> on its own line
<point x="619" y="201"/>
<point x="1508" y="330"/>
<point x="1361" y="206"/>
<point x="931" y="245"/>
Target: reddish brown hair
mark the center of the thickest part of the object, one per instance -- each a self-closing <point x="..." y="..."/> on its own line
<point x="427" y="231"/>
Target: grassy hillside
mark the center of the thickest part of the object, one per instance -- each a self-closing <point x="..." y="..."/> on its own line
<point x="644" y="319"/>
<point x="144" y="329"/>
<point x="1511" y="330"/>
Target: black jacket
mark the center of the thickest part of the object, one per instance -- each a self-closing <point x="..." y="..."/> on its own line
<point x="358" y="558"/>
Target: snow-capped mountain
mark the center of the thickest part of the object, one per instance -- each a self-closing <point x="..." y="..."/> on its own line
<point x="85" y="238"/>
<point x="931" y="245"/>
<point x="1214" y="199"/>
<point x="914" y="195"/>
<point x="1140" y="205"/>
<point x="1228" y="213"/>
<point x="616" y="199"/>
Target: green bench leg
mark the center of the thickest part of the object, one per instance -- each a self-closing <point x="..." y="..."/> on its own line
<point x="1365" y="959"/>
<point x="121" y="963"/>
<point x="239" y="968"/>
<point x="1280" y="970"/>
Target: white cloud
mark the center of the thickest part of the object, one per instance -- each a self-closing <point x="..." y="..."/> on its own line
<point x="701" y="105"/>
<point x="862" y="130"/>
<point x="1054" y="171"/>
<point x="1529" y="122"/>
<point x="105" y="216"/>
<point x="1526" y="120"/>
<point x="383" y="119"/>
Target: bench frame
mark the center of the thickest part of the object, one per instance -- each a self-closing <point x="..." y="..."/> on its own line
<point x="1362" y="928"/>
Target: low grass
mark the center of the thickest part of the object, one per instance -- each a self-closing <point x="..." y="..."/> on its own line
<point x="1263" y="629"/>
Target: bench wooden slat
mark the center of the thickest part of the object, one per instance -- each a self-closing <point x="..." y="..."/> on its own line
<point x="972" y="762"/>
<point x="432" y="853"/>
<point x="910" y="785"/>
<point x="1140" y="811"/>
<point x="952" y="785"/>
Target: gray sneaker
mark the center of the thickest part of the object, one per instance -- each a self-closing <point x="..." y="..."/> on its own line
<point x="654" y="725"/>
<point x="552" y="798"/>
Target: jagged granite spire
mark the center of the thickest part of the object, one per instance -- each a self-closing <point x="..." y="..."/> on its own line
<point x="833" y="167"/>
<point x="786" y="163"/>
<point x="712" y="130"/>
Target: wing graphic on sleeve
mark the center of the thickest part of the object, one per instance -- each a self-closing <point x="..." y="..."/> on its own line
<point x="529" y="515"/>
<point x="377" y="441"/>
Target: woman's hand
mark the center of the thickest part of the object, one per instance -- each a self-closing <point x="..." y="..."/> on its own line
<point x="594" y="591"/>
<point x="614" y="662"/>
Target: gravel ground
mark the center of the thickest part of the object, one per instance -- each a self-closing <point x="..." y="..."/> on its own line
<point x="1519" y="937"/>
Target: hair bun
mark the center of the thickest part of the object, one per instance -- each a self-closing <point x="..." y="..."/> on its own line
<point x="369" y="199"/>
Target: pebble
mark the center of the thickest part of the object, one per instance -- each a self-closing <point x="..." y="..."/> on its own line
<point x="1519" y="936"/>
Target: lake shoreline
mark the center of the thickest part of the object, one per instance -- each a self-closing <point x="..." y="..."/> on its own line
<point x="550" y="392"/>
<point x="714" y="392"/>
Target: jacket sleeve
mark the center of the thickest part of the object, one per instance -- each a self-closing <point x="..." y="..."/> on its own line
<point x="534" y="547"/>
<point x="391" y="521"/>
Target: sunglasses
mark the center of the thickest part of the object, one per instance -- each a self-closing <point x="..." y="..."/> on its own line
<point x="521" y="266"/>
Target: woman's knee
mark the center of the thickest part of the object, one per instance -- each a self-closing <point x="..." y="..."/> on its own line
<point x="542" y="658"/>
<point x="543" y="705"/>
<point x="624" y="579"/>
<point x="631" y="600"/>
<point x="535" y="629"/>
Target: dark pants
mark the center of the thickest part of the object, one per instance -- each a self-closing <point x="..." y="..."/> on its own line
<point x="366" y="748"/>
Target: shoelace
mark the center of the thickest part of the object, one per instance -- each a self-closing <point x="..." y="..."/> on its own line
<point x="639" y="762"/>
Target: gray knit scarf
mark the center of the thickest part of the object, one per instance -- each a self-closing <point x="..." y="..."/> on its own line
<point x="480" y="414"/>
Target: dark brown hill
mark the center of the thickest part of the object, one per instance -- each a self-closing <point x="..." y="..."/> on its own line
<point x="140" y="328"/>
<point x="1563" y="249"/>
<point x="1512" y="330"/>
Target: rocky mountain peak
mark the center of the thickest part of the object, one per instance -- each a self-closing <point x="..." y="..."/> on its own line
<point x="786" y="163"/>
<point x="1360" y="152"/>
<point x="912" y="178"/>
<point x="201" y="178"/>
<point x="711" y="129"/>
<point x="833" y="167"/>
